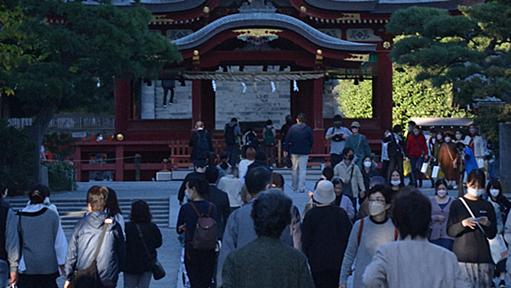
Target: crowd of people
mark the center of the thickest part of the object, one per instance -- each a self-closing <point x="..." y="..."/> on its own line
<point x="35" y="252"/>
<point x="240" y="229"/>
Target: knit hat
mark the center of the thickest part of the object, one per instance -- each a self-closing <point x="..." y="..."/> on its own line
<point x="324" y="193"/>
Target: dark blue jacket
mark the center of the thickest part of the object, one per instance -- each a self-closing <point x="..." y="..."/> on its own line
<point x="84" y="241"/>
<point x="299" y="139"/>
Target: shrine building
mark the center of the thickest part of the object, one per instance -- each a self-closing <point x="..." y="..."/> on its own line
<point x="253" y="60"/>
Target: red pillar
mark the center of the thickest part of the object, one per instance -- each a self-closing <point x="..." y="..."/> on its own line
<point x="119" y="163"/>
<point x="317" y="116"/>
<point x="196" y="101"/>
<point x="384" y="88"/>
<point x="122" y="95"/>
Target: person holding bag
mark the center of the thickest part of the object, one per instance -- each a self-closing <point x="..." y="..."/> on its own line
<point x="142" y="239"/>
<point x="472" y="222"/>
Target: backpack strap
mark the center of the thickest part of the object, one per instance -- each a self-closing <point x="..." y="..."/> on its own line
<point x="360" y="228"/>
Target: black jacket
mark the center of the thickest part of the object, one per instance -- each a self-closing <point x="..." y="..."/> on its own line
<point x="137" y="259"/>
<point x="221" y="201"/>
<point x="471" y="245"/>
<point x="83" y="244"/>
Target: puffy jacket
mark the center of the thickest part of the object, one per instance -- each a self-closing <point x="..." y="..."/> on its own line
<point x="83" y="244"/>
<point x="299" y="139"/>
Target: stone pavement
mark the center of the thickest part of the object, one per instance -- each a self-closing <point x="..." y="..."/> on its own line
<point x="169" y="253"/>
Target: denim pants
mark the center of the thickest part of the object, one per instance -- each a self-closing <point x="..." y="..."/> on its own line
<point x="299" y="171"/>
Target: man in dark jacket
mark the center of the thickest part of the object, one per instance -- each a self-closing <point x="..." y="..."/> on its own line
<point x="200" y="142"/>
<point x="219" y="198"/>
<point x="85" y="241"/>
<point x="298" y="143"/>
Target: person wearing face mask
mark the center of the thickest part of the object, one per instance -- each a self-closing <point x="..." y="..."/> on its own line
<point x="351" y="177"/>
<point x="337" y="135"/>
<point x="358" y="143"/>
<point x="367" y="235"/>
<point x="470" y="233"/>
<point x="440" y="204"/>
<point x="477" y="144"/>
<point x="395" y="182"/>
<point x="449" y="161"/>
<point x="501" y="205"/>
<point x="199" y="263"/>
<point x="417" y="151"/>
<point x="368" y="171"/>
<point x="325" y="253"/>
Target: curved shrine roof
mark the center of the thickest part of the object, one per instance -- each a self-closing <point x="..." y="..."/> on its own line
<point x="270" y="20"/>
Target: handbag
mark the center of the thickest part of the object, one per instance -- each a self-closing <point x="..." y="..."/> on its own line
<point x="497" y="245"/>
<point x="156" y="268"/>
<point x="89" y="277"/>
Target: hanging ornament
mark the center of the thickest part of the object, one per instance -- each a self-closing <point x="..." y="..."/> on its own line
<point x="295" y="86"/>
<point x="243" y="87"/>
<point x="213" y="85"/>
<point x="273" y="88"/>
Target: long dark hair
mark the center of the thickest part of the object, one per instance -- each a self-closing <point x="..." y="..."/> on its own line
<point x="140" y="212"/>
<point x="112" y="204"/>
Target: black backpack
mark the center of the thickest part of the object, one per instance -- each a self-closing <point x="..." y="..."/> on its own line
<point x="230" y="138"/>
<point x="206" y="230"/>
<point x="202" y="145"/>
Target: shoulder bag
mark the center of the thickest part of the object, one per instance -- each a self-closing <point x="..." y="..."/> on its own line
<point x="497" y="245"/>
<point x="89" y="277"/>
<point x="156" y="268"/>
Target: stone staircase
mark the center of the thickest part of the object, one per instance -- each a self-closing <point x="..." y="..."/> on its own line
<point x="72" y="210"/>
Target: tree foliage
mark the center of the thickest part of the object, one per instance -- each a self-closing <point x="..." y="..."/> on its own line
<point x="410" y="99"/>
<point x="72" y="52"/>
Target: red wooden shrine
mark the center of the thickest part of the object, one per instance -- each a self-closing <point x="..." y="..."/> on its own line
<point x="357" y="47"/>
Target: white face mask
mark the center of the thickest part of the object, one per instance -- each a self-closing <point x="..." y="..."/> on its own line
<point x="395" y="182"/>
<point x="368" y="164"/>
<point x="494" y="192"/>
<point x="376" y="208"/>
<point x="475" y="192"/>
<point x="441" y="193"/>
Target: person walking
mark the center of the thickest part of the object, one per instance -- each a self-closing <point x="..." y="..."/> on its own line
<point x="337" y="135"/>
<point x="142" y="239"/>
<point x="395" y="151"/>
<point x="367" y="235"/>
<point x="417" y="152"/>
<point x="199" y="261"/>
<point x="232" y="137"/>
<point x="358" y="143"/>
<point x="96" y="239"/>
<point x="477" y="144"/>
<point x="43" y="243"/>
<point x="267" y="261"/>
<point x="298" y="143"/>
<point x="239" y="230"/>
<point x="200" y="143"/>
<point x="471" y="222"/>
<point x="219" y="198"/>
<point x="232" y="185"/>
<point x="325" y="253"/>
<point x="9" y="242"/>
<point x="413" y="261"/>
<point x="269" y="142"/>
<point x="501" y="205"/>
<point x="351" y="177"/>
<point x="440" y="205"/>
<point x="286" y="159"/>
